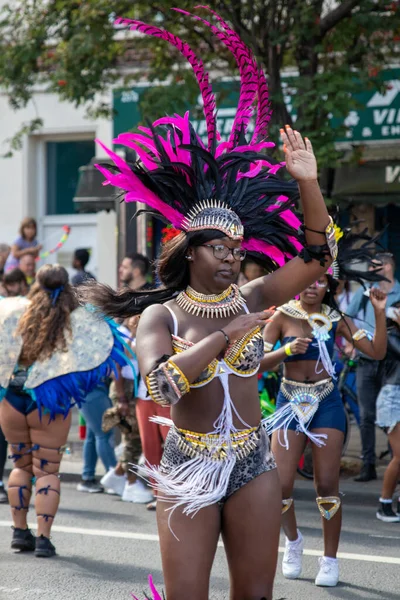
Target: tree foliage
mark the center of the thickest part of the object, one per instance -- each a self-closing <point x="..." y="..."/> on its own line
<point x="72" y="48"/>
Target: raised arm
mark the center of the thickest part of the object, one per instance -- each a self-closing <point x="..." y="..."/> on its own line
<point x="373" y="346"/>
<point x="291" y="279"/>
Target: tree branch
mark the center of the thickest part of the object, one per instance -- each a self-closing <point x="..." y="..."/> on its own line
<point x="336" y="15"/>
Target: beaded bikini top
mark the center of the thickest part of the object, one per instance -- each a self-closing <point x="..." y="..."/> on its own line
<point x="241" y="358"/>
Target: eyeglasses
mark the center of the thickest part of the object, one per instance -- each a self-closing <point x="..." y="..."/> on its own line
<point x="221" y="252"/>
<point x="321" y="284"/>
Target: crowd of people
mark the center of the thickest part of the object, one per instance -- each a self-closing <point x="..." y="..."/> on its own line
<point x="243" y="286"/>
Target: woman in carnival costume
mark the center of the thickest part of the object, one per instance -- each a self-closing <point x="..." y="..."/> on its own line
<point x="309" y="405"/>
<point x="52" y="354"/>
<point x="199" y="339"/>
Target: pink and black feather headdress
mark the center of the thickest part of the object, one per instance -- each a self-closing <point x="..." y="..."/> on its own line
<point x="231" y="186"/>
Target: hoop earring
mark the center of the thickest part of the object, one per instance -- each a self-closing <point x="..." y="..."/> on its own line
<point x="188" y="258"/>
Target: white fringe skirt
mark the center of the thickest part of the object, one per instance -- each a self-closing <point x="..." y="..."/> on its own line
<point x="197" y="470"/>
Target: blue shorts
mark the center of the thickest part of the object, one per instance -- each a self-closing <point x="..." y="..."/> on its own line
<point x="330" y="413"/>
<point x="21" y="401"/>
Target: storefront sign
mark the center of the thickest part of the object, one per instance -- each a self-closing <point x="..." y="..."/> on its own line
<point x="377" y="119"/>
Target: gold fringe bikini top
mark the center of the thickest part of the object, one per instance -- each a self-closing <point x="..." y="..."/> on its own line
<point x="241" y="358"/>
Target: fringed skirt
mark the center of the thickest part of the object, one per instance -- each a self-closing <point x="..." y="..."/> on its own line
<point x="304" y="407"/>
<point x="196" y="470"/>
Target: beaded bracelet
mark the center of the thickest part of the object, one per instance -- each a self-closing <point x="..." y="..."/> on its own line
<point x="227" y="340"/>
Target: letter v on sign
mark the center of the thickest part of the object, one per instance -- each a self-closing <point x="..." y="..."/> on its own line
<point x="391" y="174"/>
<point x="385" y="99"/>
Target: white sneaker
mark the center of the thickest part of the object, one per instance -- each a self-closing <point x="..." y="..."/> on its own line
<point x="119" y="450"/>
<point x="137" y="492"/>
<point x="293" y="557"/>
<point x="113" y="483"/>
<point x="328" y="575"/>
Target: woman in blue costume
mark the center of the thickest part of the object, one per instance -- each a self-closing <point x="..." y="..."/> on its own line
<point x="52" y="354"/>
<point x="309" y="405"/>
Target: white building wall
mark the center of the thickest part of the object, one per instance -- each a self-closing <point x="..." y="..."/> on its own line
<point x="23" y="180"/>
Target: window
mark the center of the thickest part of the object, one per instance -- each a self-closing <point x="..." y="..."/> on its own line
<point x="63" y="160"/>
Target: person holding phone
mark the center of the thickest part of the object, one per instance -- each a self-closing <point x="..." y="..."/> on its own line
<point x="370" y="372"/>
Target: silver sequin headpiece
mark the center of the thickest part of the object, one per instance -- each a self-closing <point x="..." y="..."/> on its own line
<point x="214" y="214"/>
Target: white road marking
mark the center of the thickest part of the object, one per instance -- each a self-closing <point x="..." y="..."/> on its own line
<point x="151" y="537"/>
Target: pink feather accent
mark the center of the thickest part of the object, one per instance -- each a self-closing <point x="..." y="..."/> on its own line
<point x="148" y="162"/>
<point x="254" y="245"/>
<point x="247" y="68"/>
<point x="290" y="218"/>
<point x="255" y="169"/>
<point x="136" y="190"/>
<point x="153" y="589"/>
<point x="209" y="102"/>
<point x="296" y="243"/>
<point x="264" y="110"/>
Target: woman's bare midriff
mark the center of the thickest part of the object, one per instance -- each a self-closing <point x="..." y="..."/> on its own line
<point x="198" y="410"/>
<point x="304" y="371"/>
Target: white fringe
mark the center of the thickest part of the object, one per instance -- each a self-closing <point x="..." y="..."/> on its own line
<point x="280" y="422"/>
<point x="200" y="481"/>
<point x="325" y="359"/>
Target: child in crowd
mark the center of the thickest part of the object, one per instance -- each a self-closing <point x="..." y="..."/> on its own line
<point x="26" y="243"/>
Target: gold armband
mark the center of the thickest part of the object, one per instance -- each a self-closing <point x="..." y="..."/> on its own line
<point x="268" y="347"/>
<point x="360" y="334"/>
<point x="167" y="384"/>
<point x="331" y="238"/>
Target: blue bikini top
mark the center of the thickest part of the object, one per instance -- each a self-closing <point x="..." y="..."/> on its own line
<point x="312" y="350"/>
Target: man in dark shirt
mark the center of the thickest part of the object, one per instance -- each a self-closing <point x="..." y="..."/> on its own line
<point x="80" y="260"/>
<point x="133" y="272"/>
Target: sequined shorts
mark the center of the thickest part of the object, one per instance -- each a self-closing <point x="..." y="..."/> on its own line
<point x="251" y="447"/>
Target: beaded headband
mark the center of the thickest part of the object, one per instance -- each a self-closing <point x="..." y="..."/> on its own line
<point x="213" y="214"/>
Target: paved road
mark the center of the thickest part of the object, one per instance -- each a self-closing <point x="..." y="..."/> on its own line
<point x="107" y="548"/>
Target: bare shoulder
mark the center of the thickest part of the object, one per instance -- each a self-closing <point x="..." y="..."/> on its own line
<point x="156" y="315"/>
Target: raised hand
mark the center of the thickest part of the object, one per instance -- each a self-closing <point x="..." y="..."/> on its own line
<point x="378" y="299"/>
<point x="300" y="159"/>
<point x="300" y="345"/>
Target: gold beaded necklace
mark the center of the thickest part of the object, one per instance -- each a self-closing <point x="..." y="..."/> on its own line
<point x="229" y="302"/>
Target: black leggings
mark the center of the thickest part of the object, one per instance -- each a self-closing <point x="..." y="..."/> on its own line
<point x="3" y="453"/>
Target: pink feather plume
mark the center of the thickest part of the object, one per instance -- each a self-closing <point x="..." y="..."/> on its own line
<point x="254" y="245"/>
<point x="209" y="103"/>
<point x="247" y="68"/>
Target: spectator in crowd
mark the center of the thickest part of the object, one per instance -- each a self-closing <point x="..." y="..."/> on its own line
<point x="80" y="260"/>
<point x="133" y="272"/>
<point x="4" y="252"/>
<point x="122" y="395"/>
<point x="25" y="245"/>
<point x="388" y="417"/>
<point x="27" y="264"/>
<point x="251" y="270"/>
<point x="97" y="442"/>
<point x="370" y="372"/>
<point x="15" y="284"/>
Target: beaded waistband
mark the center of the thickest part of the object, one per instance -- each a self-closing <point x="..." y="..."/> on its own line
<point x="308" y="384"/>
<point x="210" y="445"/>
<point x="320" y="389"/>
